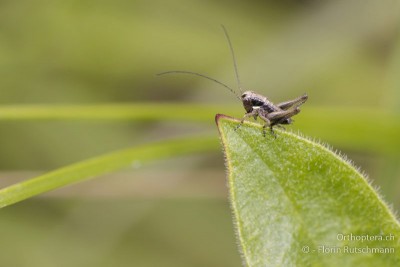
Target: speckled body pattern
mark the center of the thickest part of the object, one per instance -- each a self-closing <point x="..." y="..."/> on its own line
<point x="257" y="105"/>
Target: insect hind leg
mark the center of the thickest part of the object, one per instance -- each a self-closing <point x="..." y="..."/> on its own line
<point x="293" y="103"/>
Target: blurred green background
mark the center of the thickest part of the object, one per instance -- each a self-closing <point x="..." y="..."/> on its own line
<point x="344" y="54"/>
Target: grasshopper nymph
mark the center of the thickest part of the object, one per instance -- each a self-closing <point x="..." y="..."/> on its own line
<point x="257" y="105"/>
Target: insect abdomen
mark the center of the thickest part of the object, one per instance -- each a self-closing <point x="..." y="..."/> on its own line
<point x="269" y="107"/>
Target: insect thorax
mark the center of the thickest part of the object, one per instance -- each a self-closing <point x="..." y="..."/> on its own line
<point x="252" y="100"/>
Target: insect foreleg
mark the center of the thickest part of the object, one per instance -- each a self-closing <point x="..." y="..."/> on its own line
<point x="253" y="113"/>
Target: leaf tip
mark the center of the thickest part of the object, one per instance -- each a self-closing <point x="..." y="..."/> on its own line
<point x="220" y="116"/>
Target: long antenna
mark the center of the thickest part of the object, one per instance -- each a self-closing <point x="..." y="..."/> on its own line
<point x="233" y="58"/>
<point x="201" y="75"/>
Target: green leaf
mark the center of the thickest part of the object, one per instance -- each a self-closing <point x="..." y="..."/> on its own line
<point x="103" y="164"/>
<point x="297" y="203"/>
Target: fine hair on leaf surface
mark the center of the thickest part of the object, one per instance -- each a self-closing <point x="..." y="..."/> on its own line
<point x="290" y="194"/>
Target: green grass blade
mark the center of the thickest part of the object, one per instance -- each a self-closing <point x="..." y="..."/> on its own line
<point x="353" y="128"/>
<point x="104" y="164"/>
<point x="135" y="111"/>
<point x="293" y="199"/>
